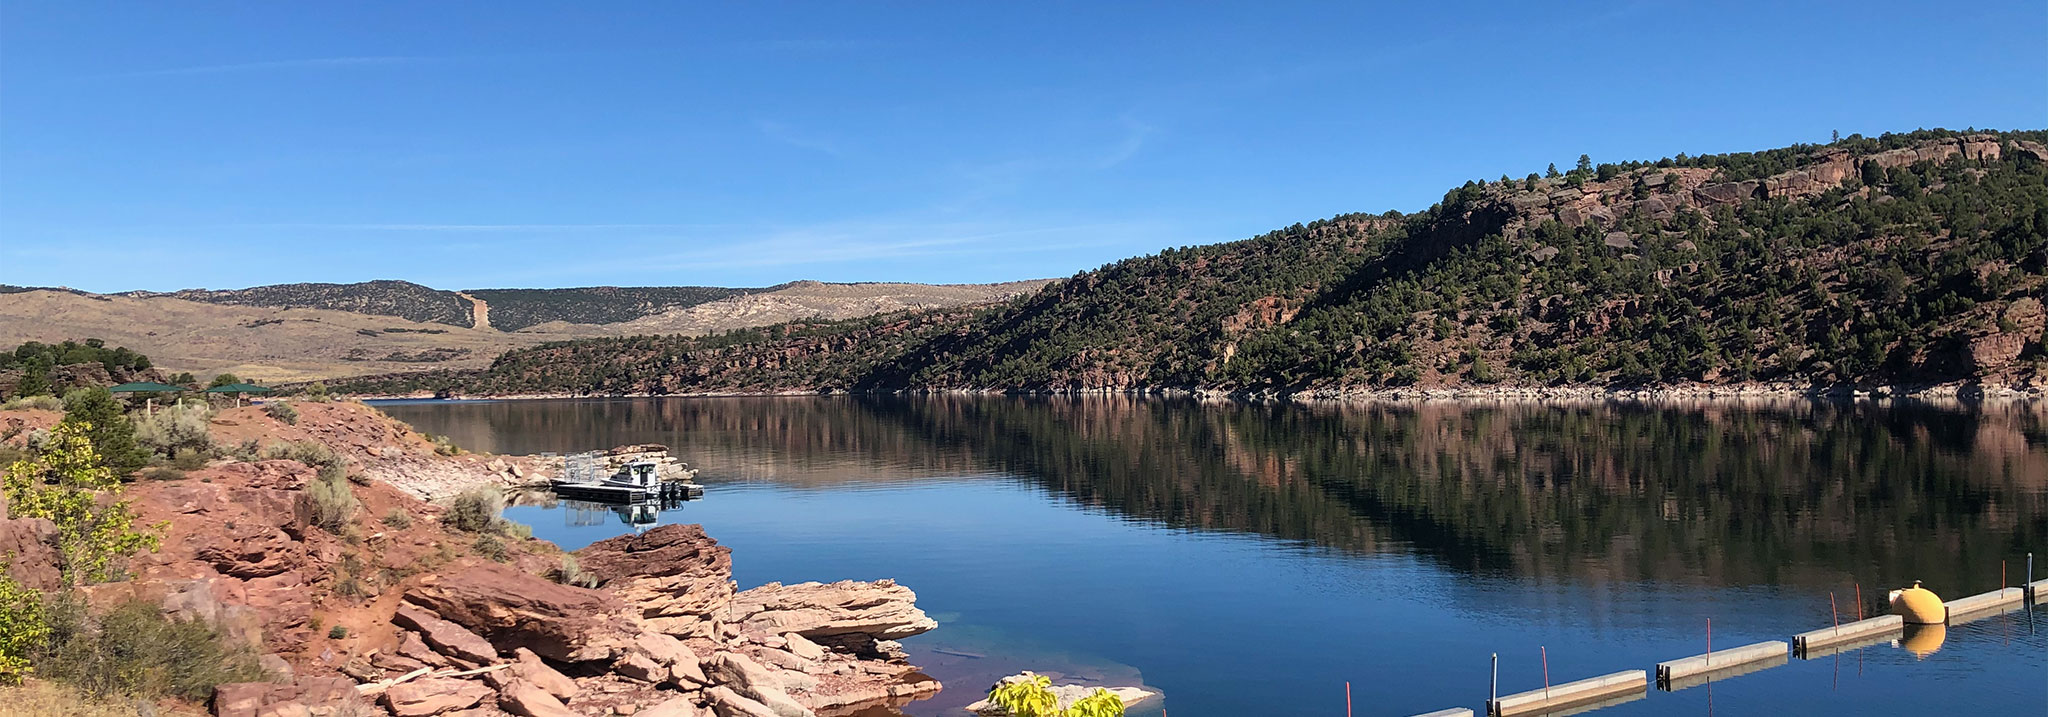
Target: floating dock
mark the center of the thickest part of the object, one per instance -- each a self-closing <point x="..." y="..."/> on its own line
<point x="1978" y="607"/>
<point x="1869" y="639"/>
<point x="1594" y="691"/>
<point x="1676" y="674"/>
<point x="1807" y="644"/>
<point x="1994" y="600"/>
<point x="2037" y="589"/>
<point x="1452" y="712"/>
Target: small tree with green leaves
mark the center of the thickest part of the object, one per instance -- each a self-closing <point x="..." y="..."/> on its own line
<point x="24" y="626"/>
<point x="106" y="424"/>
<point x="64" y="482"/>
<point x="34" y="381"/>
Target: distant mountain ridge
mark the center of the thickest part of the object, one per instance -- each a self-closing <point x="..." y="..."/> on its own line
<point x="300" y="332"/>
<point x="510" y="309"/>
<point x="382" y="297"/>
<point x="518" y="309"/>
<point x="1901" y="259"/>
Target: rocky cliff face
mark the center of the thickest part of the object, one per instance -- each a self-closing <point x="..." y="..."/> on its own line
<point x="1910" y="260"/>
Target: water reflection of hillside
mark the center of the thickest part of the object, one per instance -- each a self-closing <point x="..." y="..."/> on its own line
<point x="1724" y="493"/>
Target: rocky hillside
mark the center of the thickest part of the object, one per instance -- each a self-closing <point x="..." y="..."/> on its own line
<point x="812" y="300"/>
<point x="402" y="299"/>
<point x="515" y="309"/>
<point x="1905" y="259"/>
<point x="357" y="597"/>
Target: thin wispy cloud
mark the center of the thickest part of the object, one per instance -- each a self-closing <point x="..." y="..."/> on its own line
<point x="309" y="63"/>
<point x="1134" y="140"/>
<point x="536" y="228"/>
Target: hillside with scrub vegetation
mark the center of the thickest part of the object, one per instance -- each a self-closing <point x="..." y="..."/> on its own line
<point x="1909" y="259"/>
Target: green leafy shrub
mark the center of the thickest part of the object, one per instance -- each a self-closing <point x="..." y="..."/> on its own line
<point x="444" y="445"/>
<point x="189" y="459"/>
<point x="475" y="510"/>
<point x="67" y="483"/>
<point x="490" y="546"/>
<point x="135" y="650"/>
<point x="180" y="427"/>
<point x="1033" y="697"/>
<point x="312" y="453"/>
<point x="283" y="412"/>
<point x="161" y="473"/>
<point x="337" y="632"/>
<point x="24" y="626"/>
<point x="571" y="572"/>
<point x="398" y="519"/>
<point x="246" y="451"/>
<point x="327" y="502"/>
<point x="107" y="426"/>
<point x="38" y="403"/>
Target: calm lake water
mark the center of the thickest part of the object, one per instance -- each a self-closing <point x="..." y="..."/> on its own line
<point x="1252" y="559"/>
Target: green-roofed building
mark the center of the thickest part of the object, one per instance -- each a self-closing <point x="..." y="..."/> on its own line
<point x="238" y="388"/>
<point x="147" y="387"/>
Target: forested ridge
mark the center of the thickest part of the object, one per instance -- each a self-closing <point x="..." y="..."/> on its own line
<point x="1902" y="259"/>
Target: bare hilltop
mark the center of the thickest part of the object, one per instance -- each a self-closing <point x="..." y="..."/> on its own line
<point x="306" y="332"/>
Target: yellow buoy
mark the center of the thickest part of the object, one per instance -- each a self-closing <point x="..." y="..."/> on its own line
<point x="1919" y="606"/>
<point x="1924" y="640"/>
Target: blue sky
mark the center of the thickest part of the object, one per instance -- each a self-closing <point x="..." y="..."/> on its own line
<point x="511" y="144"/>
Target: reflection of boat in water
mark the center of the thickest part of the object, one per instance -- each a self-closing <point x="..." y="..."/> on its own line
<point x="637" y="480"/>
<point x="641" y="515"/>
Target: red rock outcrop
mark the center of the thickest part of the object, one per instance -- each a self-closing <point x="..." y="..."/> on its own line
<point x="880" y="609"/>
<point x="676" y="575"/>
<point x="390" y="609"/>
<point x="306" y="696"/>
<point x="30" y="545"/>
<point x="513" y="609"/>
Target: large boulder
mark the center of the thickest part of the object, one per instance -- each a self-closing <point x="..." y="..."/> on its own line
<point x="881" y="610"/>
<point x="754" y="681"/>
<point x="199" y="600"/>
<point x="674" y="707"/>
<point x="307" y="695"/>
<point x="512" y="610"/>
<point x="727" y="702"/>
<point x="447" y="638"/>
<point x="658" y="658"/>
<point x="1995" y="351"/>
<point x="30" y="546"/>
<point x="524" y="698"/>
<point x="434" y="695"/>
<point x="529" y="668"/>
<point x="677" y="576"/>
